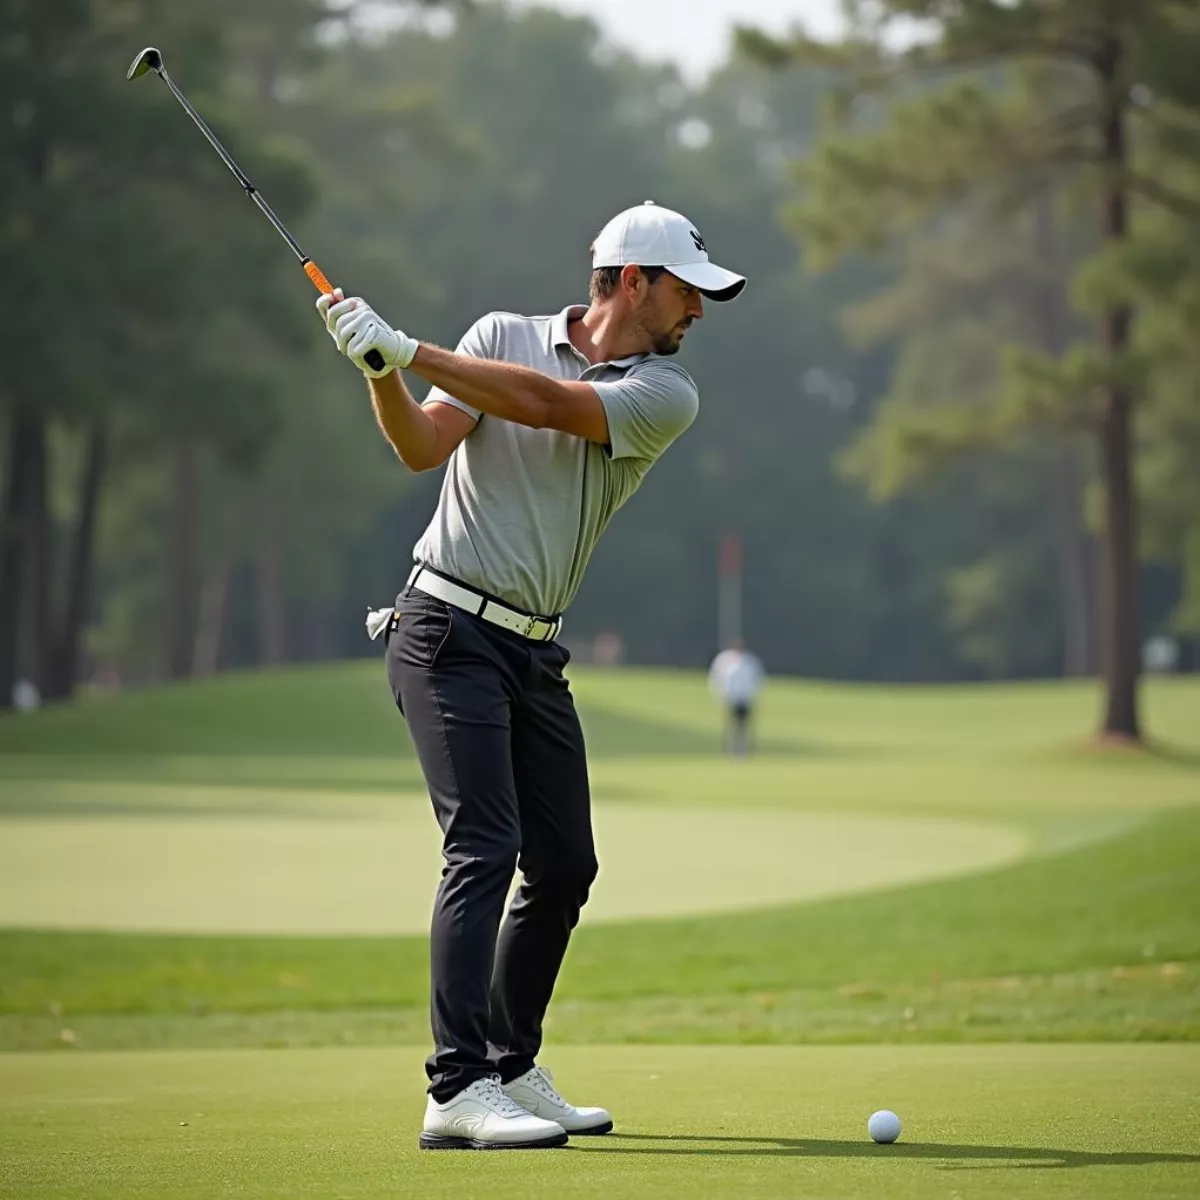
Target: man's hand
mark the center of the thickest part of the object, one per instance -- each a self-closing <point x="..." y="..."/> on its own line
<point x="357" y="329"/>
<point x="326" y="302"/>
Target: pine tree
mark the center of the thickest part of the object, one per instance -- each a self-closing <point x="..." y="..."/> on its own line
<point x="1006" y="99"/>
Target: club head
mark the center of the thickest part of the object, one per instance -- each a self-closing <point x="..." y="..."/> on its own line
<point x="149" y="60"/>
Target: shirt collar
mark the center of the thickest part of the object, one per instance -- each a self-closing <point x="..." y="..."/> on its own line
<point x="560" y="337"/>
<point x="558" y="328"/>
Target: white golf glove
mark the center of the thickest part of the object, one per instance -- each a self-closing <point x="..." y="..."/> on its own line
<point x="357" y="329"/>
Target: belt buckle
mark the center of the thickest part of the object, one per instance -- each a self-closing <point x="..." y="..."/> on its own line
<point x="540" y="629"/>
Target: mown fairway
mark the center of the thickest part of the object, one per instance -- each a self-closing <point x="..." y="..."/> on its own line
<point x="205" y="872"/>
<point x="746" y="1122"/>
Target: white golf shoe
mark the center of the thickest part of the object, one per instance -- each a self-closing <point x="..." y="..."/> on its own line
<point x="482" y="1117"/>
<point x="534" y="1091"/>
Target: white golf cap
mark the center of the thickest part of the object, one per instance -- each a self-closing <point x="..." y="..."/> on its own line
<point x="650" y="236"/>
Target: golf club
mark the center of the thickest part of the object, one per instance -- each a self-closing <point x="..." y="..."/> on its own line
<point x="151" y="59"/>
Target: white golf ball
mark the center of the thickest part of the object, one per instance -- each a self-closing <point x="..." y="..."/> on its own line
<point x="884" y="1126"/>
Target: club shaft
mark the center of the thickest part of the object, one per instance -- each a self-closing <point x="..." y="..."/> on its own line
<point x="238" y="173"/>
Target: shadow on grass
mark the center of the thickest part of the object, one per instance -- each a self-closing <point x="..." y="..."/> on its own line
<point x="776" y="747"/>
<point x="956" y="1157"/>
<point x="1177" y="755"/>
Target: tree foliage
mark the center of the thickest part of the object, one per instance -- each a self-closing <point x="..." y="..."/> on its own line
<point x="192" y="477"/>
<point x="1006" y="103"/>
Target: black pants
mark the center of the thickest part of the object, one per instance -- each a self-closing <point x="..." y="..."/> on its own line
<point x="737" y="737"/>
<point x="500" y="745"/>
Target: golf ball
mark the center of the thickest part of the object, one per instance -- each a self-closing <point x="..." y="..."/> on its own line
<point x="884" y="1126"/>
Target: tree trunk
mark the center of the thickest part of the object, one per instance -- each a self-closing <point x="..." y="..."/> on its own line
<point x="1121" y="669"/>
<point x="1120" y="631"/>
<point x="62" y="666"/>
<point x="321" y="642"/>
<point x="39" y="550"/>
<point x="272" y="633"/>
<point x="1075" y="573"/>
<point x="210" y="622"/>
<point x="1066" y="487"/>
<point x="180" y="564"/>
<point x="14" y="546"/>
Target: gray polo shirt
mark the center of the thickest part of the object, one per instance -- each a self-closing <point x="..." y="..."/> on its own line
<point x="522" y="509"/>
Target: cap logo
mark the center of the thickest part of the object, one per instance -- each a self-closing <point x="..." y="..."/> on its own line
<point x="699" y="242"/>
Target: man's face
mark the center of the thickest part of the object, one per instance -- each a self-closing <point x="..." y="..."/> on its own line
<point x="667" y="309"/>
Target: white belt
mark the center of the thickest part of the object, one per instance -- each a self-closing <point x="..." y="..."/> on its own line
<point x="537" y="629"/>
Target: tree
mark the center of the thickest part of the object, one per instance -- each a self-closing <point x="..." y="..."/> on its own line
<point x="1159" y="274"/>
<point x="246" y="543"/>
<point x="1026" y="94"/>
<point x="249" y="507"/>
<point x="964" y="292"/>
<point x="103" y="219"/>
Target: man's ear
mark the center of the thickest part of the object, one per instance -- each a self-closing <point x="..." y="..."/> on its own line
<point x="632" y="279"/>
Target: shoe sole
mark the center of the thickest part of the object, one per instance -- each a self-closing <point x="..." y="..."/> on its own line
<point x="435" y="1141"/>
<point x="592" y="1130"/>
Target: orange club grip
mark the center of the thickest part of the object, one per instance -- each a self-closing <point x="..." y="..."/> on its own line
<point x="318" y="277"/>
<point x="374" y="358"/>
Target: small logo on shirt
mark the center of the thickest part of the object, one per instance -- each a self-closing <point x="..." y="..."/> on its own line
<point x="699" y="242"/>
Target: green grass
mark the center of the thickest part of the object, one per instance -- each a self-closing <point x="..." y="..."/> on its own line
<point x="1096" y="936"/>
<point x="1099" y="942"/>
<point x="157" y="1065"/>
<point x="755" y="1123"/>
<point x="344" y="711"/>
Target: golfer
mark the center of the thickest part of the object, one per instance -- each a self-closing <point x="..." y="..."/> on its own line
<point x="548" y="424"/>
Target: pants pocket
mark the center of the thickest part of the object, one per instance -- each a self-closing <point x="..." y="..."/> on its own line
<point x="417" y="642"/>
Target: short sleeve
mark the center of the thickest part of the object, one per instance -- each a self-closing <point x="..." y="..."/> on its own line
<point x="648" y="409"/>
<point x="480" y="341"/>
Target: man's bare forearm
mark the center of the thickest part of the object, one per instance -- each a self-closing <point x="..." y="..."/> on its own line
<point x="410" y="430"/>
<point x="500" y="389"/>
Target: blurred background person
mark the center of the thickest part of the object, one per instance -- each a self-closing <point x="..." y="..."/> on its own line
<point x="737" y="677"/>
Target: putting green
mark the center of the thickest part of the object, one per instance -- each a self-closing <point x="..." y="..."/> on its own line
<point x="246" y="860"/>
<point x="756" y="1123"/>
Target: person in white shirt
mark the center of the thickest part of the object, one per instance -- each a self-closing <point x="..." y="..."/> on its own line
<point x="737" y="677"/>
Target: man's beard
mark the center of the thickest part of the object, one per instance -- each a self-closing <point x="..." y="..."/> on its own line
<point x="669" y="342"/>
